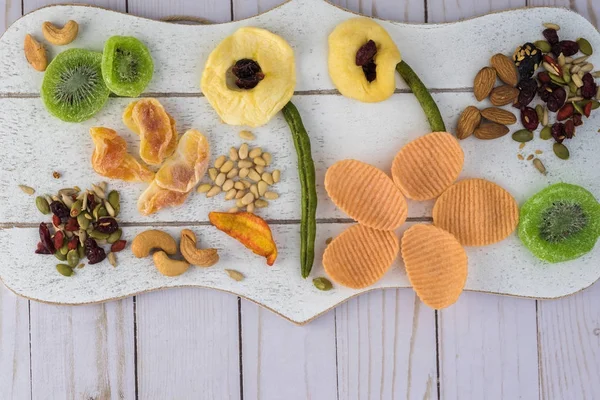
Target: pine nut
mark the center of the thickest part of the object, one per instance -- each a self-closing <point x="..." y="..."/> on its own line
<point x="240" y="194"/>
<point x="254" y="191"/>
<point x="214" y="191"/>
<point x="271" y="195"/>
<point x="220" y="161"/>
<point x="230" y="195"/>
<point x="243" y="152"/>
<point x="267" y="177"/>
<point x="228" y="166"/>
<point x="247" y="184"/>
<point x="262" y="187"/>
<point x="250" y="208"/>
<point x="260" y="203"/>
<point x="277" y="174"/>
<point x="259" y="168"/>
<point x="233" y="210"/>
<point x="247" y="199"/>
<point x="233" y="154"/>
<point x="239" y="203"/>
<point x="205" y="187"/>
<point x="220" y="179"/>
<point x="239" y="185"/>
<point x="268" y="158"/>
<point x="232" y="174"/>
<point x="550" y="25"/>
<point x="247" y="135"/>
<point x="253" y="175"/>
<point x="259" y="161"/>
<point x="243" y="172"/>
<point x="212" y="173"/>
<point x="227" y="185"/>
<point x="255" y="152"/>
<point x="245" y="164"/>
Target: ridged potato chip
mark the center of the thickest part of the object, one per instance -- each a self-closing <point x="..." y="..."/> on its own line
<point x="427" y="166"/>
<point x="436" y="264"/>
<point x="478" y="212"/>
<point x="366" y="194"/>
<point x="360" y="256"/>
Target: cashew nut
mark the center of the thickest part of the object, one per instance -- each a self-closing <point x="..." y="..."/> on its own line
<point x="35" y="53"/>
<point x="167" y="266"/>
<point x="153" y="239"/>
<point x="60" y="36"/>
<point x="195" y="256"/>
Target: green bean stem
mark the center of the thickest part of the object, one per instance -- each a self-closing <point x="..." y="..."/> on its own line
<point x="430" y="108"/>
<point x="306" y="173"/>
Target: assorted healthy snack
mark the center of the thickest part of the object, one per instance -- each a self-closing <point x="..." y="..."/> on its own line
<point x="436" y="264"/>
<point x="82" y="221"/>
<point x="560" y="223"/>
<point x="127" y="66"/>
<point x="249" y="229"/>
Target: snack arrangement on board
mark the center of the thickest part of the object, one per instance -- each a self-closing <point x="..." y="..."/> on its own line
<point x="248" y="78"/>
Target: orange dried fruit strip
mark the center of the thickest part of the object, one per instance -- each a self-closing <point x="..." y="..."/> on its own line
<point x="436" y="264"/>
<point x="155" y="129"/>
<point x="249" y="229"/>
<point x="360" y="256"/>
<point x="478" y="212"/>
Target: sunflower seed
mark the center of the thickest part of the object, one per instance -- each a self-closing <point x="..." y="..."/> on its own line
<point x="27" y="189"/>
<point x="112" y="259"/>
<point x="235" y="275"/>
<point x="551" y="25"/>
<point x="537" y="163"/>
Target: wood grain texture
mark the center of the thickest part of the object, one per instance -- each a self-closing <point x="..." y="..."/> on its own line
<point x="10" y="10"/>
<point x="212" y="10"/>
<point x="386" y="347"/>
<point x="489" y="340"/>
<point x="117" y="5"/>
<point x="398" y="10"/>
<point x="590" y="9"/>
<point x="455" y="10"/>
<point x="83" y="352"/>
<point x="283" y="361"/>
<point x="187" y="345"/>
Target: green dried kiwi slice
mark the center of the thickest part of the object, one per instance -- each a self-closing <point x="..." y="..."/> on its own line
<point x="127" y="66"/>
<point x="73" y="89"/>
<point x="560" y="223"/>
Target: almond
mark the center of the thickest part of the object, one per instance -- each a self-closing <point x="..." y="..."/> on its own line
<point x="505" y="68"/>
<point x="499" y="115"/>
<point x="490" y="130"/>
<point x="484" y="83"/>
<point x="35" y="53"/>
<point x="468" y="121"/>
<point x="503" y="95"/>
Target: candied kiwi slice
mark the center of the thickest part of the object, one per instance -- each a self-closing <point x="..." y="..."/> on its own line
<point x="127" y="66"/>
<point x="560" y="223"/>
<point x="73" y="89"/>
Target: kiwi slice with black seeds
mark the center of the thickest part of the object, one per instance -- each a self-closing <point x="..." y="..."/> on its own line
<point x="127" y="66"/>
<point x="560" y="223"/>
<point x="73" y="89"/>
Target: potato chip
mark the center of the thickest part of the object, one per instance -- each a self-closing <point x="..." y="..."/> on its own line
<point x="436" y="264"/>
<point x="366" y="194"/>
<point x="360" y="256"/>
<point x="427" y="166"/>
<point x="477" y="212"/>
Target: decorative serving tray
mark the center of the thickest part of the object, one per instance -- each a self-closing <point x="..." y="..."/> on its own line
<point x="446" y="56"/>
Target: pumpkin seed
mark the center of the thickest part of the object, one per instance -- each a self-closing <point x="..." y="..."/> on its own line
<point x="577" y="107"/>
<point x="60" y="256"/>
<point x="522" y="135"/>
<point x="64" y="269"/>
<point x="561" y="151"/>
<point x="539" y="110"/>
<point x="83" y="222"/>
<point x="213" y="173"/>
<point x="243" y="152"/>
<point x="81" y="250"/>
<point x="114" y="198"/>
<point x="543" y="45"/>
<point x="561" y="59"/>
<point x="572" y="87"/>
<point x="76" y="208"/>
<point x="596" y="74"/>
<point x="271" y="196"/>
<point x="205" y="187"/>
<point x="537" y="163"/>
<point x="82" y="236"/>
<point x="597" y="93"/>
<point x="233" y="154"/>
<point x="116" y="235"/>
<point x="99" y="235"/>
<point x="247" y="135"/>
<point x="546" y="133"/>
<point x="67" y="200"/>
<point x="27" y="189"/>
<point x="112" y="259"/>
<point x="545" y="117"/>
<point x="262" y="187"/>
<point x="551" y="25"/>
<point x="556" y="79"/>
<point x="72" y="258"/>
<point x="322" y="284"/>
<point x="64" y="249"/>
<point x="213" y="192"/>
<point x="260" y="203"/>
<point x="219" y="162"/>
<point x="585" y="47"/>
<point x="268" y="158"/>
<point x="566" y="76"/>
<point x="255" y="152"/>
<point x="235" y="275"/>
<point x="42" y="205"/>
<point x="276" y="175"/>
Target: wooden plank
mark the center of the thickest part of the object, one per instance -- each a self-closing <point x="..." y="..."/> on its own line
<point x="83" y="352"/>
<point x="590" y="9"/>
<point x="212" y="10"/>
<point x="397" y="10"/>
<point x="117" y="5"/>
<point x="249" y="8"/>
<point x="187" y="345"/>
<point x="488" y="348"/>
<point x="11" y="11"/>
<point x="284" y="361"/>
<point x="386" y="347"/>
<point x="455" y="10"/>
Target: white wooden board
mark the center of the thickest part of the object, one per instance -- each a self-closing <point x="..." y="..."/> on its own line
<point x="339" y="128"/>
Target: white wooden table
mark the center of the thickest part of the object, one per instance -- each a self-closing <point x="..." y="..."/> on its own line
<point x="203" y="344"/>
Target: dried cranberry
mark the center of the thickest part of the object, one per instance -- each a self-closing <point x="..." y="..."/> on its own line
<point x="587" y="109"/>
<point x="59" y="209"/>
<point x="56" y="220"/>
<point x="529" y="118"/>
<point x="46" y="239"/>
<point x="118" y="246"/>
<point x="577" y="120"/>
<point x="568" y="47"/>
<point x="565" y="112"/>
<point x="107" y="225"/>
<point x="73" y="242"/>
<point x="589" y="88"/>
<point x="569" y="129"/>
<point x="552" y="104"/>
<point x="556" y="49"/>
<point x="91" y="201"/>
<point x="527" y="90"/>
<point x="551" y="35"/>
<point x="560" y="95"/>
<point x="93" y="252"/>
<point x="543" y="77"/>
<point x="72" y="225"/>
<point x="370" y="71"/>
<point x="558" y="132"/>
<point x="248" y="73"/>
<point x="41" y="249"/>
<point x="59" y="239"/>
<point x="365" y="53"/>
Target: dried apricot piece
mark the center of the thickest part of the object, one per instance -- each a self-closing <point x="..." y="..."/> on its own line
<point x="155" y="130"/>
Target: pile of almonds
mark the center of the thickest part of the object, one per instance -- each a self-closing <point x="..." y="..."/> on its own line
<point x="243" y="177"/>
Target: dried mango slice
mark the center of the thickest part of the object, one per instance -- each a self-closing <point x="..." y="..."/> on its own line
<point x="251" y="230"/>
<point x="155" y="129"/>
<point x="436" y="264"/>
<point x="130" y="123"/>
<point x="374" y="81"/>
<point x="184" y="169"/>
<point x="266" y="54"/>
<point x="155" y="198"/>
<point x="110" y="157"/>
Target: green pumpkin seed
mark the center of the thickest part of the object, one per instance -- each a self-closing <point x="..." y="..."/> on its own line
<point x="595" y="104"/>
<point x="566" y="76"/>
<point x="573" y="87"/>
<point x="42" y="205"/>
<point x="99" y="235"/>
<point x="114" y="198"/>
<point x="322" y="283"/>
<point x="561" y="151"/>
<point x="543" y="45"/>
<point x="522" y="136"/>
<point x="557" y="79"/>
<point x="585" y="47"/>
<point x="73" y="258"/>
<point x="577" y="107"/>
<point x="81" y="251"/>
<point x="546" y="133"/>
<point x="539" y="165"/>
<point x="76" y="208"/>
<point x="83" y="222"/>
<point x="64" y="249"/>
<point x="64" y="269"/>
<point x="60" y="256"/>
<point x="113" y="237"/>
<point x="539" y="110"/>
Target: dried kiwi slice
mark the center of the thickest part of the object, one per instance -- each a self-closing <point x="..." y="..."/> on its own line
<point x="73" y="89"/>
<point x="560" y="223"/>
<point x="127" y="66"/>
